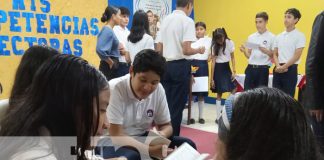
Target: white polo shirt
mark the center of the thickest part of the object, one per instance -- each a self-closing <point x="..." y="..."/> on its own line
<point x="287" y="43"/>
<point x="225" y="56"/>
<point x="146" y="42"/>
<point x="176" y="28"/>
<point x="122" y="35"/>
<point x="206" y="42"/>
<point x="134" y="115"/>
<point x="265" y="40"/>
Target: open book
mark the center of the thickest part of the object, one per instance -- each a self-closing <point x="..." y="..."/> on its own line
<point x="185" y="151"/>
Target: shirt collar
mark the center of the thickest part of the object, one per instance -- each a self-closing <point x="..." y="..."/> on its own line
<point x="121" y="29"/>
<point x="290" y="31"/>
<point x="259" y="34"/>
<point x="179" y="12"/>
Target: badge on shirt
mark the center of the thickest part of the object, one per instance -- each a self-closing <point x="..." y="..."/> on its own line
<point x="265" y="42"/>
<point x="149" y="113"/>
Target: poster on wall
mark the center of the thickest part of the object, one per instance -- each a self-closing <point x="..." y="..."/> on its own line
<point x="47" y="22"/>
<point x="62" y="25"/>
<point x="159" y="7"/>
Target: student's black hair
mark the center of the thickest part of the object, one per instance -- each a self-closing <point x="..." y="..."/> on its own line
<point x="263" y="15"/>
<point x="184" y="3"/>
<point x="201" y="24"/>
<point x="149" y="60"/>
<point x="218" y="34"/>
<point x="61" y="99"/>
<point x="140" y="26"/>
<point x="124" y="11"/>
<point x="109" y="11"/>
<point x="295" y="12"/>
<point x="149" y="11"/>
<point x="30" y="62"/>
<point x="268" y="124"/>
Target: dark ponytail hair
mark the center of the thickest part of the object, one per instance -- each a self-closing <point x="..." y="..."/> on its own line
<point x="106" y="16"/>
<point x="140" y="26"/>
<point x="219" y="33"/>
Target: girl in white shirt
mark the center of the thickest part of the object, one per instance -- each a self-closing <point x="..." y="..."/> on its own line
<point x="139" y="37"/>
<point x="222" y="75"/>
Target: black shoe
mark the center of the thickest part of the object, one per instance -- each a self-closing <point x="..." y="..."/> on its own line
<point x="201" y="121"/>
<point x="192" y="121"/>
<point x="216" y="121"/>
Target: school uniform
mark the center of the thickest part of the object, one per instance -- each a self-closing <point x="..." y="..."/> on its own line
<point x="201" y="61"/>
<point x="287" y="43"/>
<point x="257" y="72"/>
<point x="176" y="28"/>
<point x="108" y="47"/>
<point x="146" y="42"/>
<point x="122" y="35"/>
<point x="137" y="116"/>
<point x="222" y="71"/>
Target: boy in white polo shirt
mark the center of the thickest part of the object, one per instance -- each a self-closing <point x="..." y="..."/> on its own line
<point x="121" y="31"/>
<point x="257" y="72"/>
<point x="288" y="48"/>
<point x="137" y="100"/>
<point x="176" y="34"/>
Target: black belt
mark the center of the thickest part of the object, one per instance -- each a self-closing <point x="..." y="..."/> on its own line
<point x="258" y="66"/>
<point x="290" y="66"/>
<point x="124" y="64"/>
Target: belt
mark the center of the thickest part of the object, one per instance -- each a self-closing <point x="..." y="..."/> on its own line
<point x="258" y="66"/>
<point x="124" y="64"/>
<point x="285" y="63"/>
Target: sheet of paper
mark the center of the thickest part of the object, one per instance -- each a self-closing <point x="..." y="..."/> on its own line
<point x="251" y="45"/>
<point x="185" y="151"/>
<point x="200" y="85"/>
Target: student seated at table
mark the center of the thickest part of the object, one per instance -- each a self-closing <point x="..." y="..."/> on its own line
<point x="137" y="101"/>
<point x="267" y="124"/>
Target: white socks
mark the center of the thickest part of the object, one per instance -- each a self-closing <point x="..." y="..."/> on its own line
<point x="200" y="107"/>
<point x="218" y="109"/>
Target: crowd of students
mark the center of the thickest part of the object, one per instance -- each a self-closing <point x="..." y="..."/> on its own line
<point x="142" y="84"/>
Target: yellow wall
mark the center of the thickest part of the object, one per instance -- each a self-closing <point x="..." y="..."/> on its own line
<point x="238" y="18"/>
<point x="81" y="8"/>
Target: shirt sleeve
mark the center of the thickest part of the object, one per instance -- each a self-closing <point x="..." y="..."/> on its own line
<point x="104" y="44"/>
<point x="272" y="41"/>
<point x="115" y="108"/>
<point x="127" y="46"/>
<point x="301" y="41"/>
<point x="232" y="45"/>
<point x="275" y="42"/>
<point x="158" y="38"/>
<point x="149" y="43"/>
<point x="189" y="32"/>
<point x="163" y="113"/>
